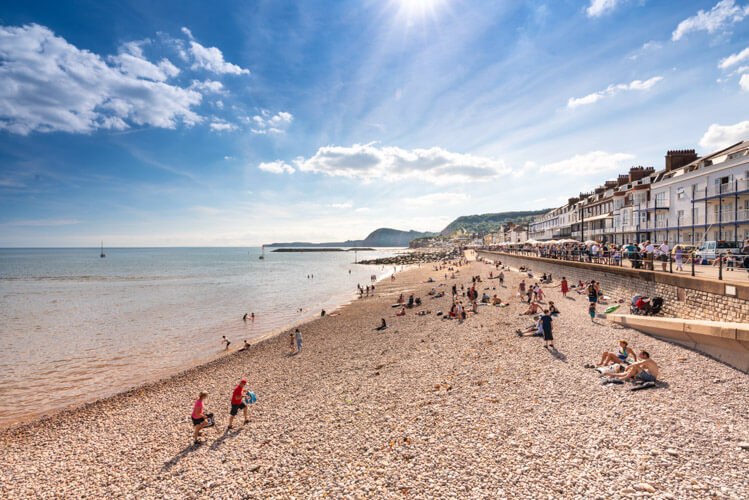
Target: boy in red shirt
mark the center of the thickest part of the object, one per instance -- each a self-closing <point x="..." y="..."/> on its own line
<point x="237" y="403"/>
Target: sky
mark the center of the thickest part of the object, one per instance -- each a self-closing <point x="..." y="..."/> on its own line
<point x="240" y="123"/>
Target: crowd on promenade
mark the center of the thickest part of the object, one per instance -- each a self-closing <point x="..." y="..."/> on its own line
<point x="639" y="255"/>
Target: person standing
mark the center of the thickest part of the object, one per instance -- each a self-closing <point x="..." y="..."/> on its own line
<point x="665" y="254"/>
<point x="298" y="338"/>
<point x="501" y="278"/>
<point x="565" y="287"/>
<point x="546" y="322"/>
<point x="237" y="404"/>
<point x="199" y="418"/>
<point x="679" y="257"/>
<point x="225" y="341"/>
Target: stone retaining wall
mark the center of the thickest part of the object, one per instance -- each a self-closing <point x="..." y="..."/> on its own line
<point x="684" y="296"/>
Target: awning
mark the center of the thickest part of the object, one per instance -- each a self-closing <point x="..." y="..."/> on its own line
<point x="597" y="217"/>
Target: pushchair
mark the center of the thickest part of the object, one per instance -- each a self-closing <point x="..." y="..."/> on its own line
<point x="644" y="306"/>
<point x="655" y="307"/>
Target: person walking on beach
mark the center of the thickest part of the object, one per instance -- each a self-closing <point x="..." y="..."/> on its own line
<point x="501" y="278"/>
<point x="226" y="341"/>
<point x="237" y="404"/>
<point x="199" y="418"/>
<point x="565" y="287"/>
<point x="546" y="322"/>
<point x="298" y="338"/>
<point x="592" y="311"/>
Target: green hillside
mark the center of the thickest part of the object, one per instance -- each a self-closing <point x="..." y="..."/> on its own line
<point x="486" y="223"/>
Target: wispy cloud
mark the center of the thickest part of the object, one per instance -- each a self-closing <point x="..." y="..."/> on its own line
<point x="594" y="163"/>
<point x="347" y="204"/>
<point x="212" y="59"/>
<point x="42" y="223"/>
<point x="734" y="59"/>
<point x="612" y="90"/>
<point x="368" y="162"/>
<point x="598" y="8"/>
<point x="267" y="123"/>
<point x="222" y="126"/>
<point x="719" y="18"/>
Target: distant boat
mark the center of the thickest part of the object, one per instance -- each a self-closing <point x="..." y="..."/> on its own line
<point x="102" y="255"/>
<point x="262" y="255"/>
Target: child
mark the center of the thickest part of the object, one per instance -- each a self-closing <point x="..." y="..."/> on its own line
<point x="565" y="288"/>
<point x="592" y="311"/>
<point x="199" y="420"/>
<point x="226" y="341"/>
<point x="546" y="322"/>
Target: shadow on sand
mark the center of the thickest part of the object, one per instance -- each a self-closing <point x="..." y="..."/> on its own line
<point x="179" y="456"/>
<point x="226" y="435"/>
<point x="557" y="355"/>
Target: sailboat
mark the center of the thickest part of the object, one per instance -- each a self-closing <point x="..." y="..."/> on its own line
<point x="102" y="255"/>
<point x="262" y="255"/>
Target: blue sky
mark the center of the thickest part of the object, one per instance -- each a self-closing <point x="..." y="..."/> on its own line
<point x="240" y="123"/>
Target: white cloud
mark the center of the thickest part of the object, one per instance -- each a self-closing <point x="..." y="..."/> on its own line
<point x="265" y="123"/>
<point x="47" y="84"/>
<point x="362" y="210"/>
<point x="347" y="204"/>
<point x="441" y="199"/>
<point x="723" y="14"/>
<point x="222" y="126"/>
<point x="744" y="82"/>
<point x="593" y="163"/>
<point x="721" y="136"/>
<point x="208" y="86"/>
<point x="227" y="157"/>
<point x="211" y="59"/>
<point x="734" y="59"/>
<point x="369" y="162"/>
<point x="599" y="7"/>
<point x="187" y="32"/>
<point x="276" y="167"/>
<point x="612" y="90"/>
<point x="131" y="62"/>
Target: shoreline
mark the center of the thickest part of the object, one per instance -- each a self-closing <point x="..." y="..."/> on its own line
<point x="429" y="406"/>
<point x="337" y="301"/>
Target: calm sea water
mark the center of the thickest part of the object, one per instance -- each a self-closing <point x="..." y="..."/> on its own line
<point x="74" y="327"/>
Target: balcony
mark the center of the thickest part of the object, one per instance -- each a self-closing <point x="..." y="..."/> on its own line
<point x="721" y="190"/>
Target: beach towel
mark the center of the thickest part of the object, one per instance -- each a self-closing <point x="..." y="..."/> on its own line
<point x="644" y="385"/>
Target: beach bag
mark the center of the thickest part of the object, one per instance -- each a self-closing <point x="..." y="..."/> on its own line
<point x="209" y="420"/>
<point x="250" y="398"/>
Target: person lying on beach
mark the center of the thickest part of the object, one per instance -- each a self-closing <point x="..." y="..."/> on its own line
<point x="237" y="404"/>
<point x="226" y="341"/>
<point x="199" y="418"/>
<point x="533" y="308"/>
<point x="383" y="325"/>
<point x="402" y="312"/>
<point x="645" y="370"/>
<point x="620" y="357"/>
<point x="432" y="291"/>
<point x="536" y="330"/>
<point x="438" y="295"/>
<point x="245" y="347"/>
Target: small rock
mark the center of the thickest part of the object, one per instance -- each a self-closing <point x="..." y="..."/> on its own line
<point x="645" y="487"/>
<point x="744" y="445"/>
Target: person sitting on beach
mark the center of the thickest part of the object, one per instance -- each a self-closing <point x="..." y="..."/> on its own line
<point x="533" y="308"/>
<point x="410" y="301"/>
<point x="402" y="312"/>
<point x="226" y="341"/>
<point x="553" y="309"/>
<point x="245" y="347"/>
<point x="237" y="404"/>
<point x="383" y="325"/>
<point x="645" y="370"/>
<point x="620" y="357"/>
<point x="432" y="292"/>
<point x="417" y="301"/>
<point x="401" y="299"/>
<point x="485" y="298"/>
<point x="199" y="418"/>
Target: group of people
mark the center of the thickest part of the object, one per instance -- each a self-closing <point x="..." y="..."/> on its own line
<point x="365" y="291"/>
<point x="201" y="418"/>
<point x="643" y="369"/>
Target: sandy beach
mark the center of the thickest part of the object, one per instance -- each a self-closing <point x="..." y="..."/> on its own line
<point x="428" y="408"/>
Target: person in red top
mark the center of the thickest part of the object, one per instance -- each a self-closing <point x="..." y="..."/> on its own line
<point x="237" y="403"/>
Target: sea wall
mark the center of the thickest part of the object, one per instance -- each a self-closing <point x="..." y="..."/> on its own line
<point x="684" y="296"/>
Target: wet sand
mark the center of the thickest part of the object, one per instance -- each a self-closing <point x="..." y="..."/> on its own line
<point x="428" y="408"/>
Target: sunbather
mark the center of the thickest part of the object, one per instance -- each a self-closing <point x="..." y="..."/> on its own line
<point x="533" y="308"/>
<point x="645" y="370"/>
<point x="624" y="353"/>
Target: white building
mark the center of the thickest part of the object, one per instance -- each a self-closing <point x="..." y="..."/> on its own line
<point x="707" y="199"/>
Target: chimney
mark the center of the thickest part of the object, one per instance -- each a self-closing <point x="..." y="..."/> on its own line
<point x="622" y="179"/>
<point x="572" y="201"/>
<point x="636" y="173"/>
<point x="678" y="158"/>
<point x="610" y="184"/>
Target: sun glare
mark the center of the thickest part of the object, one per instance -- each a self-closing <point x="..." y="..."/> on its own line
<point x="416" y="9"/>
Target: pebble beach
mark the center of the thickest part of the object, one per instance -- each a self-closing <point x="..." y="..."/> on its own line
<point x="428" y="408"/>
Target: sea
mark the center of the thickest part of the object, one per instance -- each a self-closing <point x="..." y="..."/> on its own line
<point x="76" y="327"/>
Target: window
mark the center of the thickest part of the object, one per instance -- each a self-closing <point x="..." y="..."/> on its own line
<point x="660" y="199"/>
<point x="680" y="194"/>
<point x="680" y="217"/>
